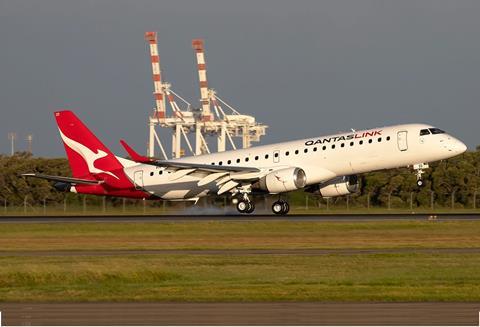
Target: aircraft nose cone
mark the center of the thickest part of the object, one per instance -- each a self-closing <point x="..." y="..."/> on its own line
<point x="458" y="146"/>
<point x="462" y="147"/>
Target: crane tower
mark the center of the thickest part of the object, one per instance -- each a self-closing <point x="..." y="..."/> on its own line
<point x="222" y="124"/>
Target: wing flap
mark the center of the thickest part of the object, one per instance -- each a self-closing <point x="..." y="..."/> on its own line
<point x="180" y="173"/>
<point x="227" y="187"/>
<point x="210" y="178"/>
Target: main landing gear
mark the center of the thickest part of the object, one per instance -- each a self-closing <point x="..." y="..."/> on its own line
<point x="419" y="170"/>
<point x="280" y="207"/>
<point x="245" y="205"/>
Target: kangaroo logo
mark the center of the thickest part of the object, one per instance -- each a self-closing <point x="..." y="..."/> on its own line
<point x="88" y="155"/>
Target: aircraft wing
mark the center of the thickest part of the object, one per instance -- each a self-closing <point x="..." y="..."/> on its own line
<point x="64" y="179"/>
<point x="225" y="177"/>
<point x="183" y="165"/>
<point x="202" y="167"/>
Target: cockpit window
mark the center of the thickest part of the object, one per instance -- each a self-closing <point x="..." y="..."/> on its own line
<point x="424" y="132"/>
<point x="436" y="131"/>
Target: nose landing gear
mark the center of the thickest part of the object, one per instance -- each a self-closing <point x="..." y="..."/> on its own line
<point x="419" y="170"/>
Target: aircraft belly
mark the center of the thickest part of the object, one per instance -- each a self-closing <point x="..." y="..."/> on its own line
<point x="317" y="174"/>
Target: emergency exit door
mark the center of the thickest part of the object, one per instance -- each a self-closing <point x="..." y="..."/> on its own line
<point x="402" y="141"/>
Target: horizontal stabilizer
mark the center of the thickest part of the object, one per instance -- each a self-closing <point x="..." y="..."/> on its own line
<point x="69" y="180"/>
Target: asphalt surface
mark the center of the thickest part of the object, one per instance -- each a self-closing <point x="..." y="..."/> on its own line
<point x="237" y="252"/>
<point x="182" y="218"/>
<point x="287" y="313"/>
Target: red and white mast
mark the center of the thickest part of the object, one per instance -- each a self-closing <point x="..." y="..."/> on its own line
<point x="197" y="45"/>
<point x="159" y="93"/>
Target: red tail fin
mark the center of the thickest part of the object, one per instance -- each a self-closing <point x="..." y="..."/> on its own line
<point x="88" y="157"/>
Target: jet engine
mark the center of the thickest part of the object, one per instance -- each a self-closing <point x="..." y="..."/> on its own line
<point x="62" y="186"/>
<point x="283" y="180"/>
<point x="336" y="187"/>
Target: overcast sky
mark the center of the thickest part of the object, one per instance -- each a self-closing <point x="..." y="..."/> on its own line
<point x="305" y="68"/>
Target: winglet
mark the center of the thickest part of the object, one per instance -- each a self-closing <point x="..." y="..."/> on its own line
<point x="133" y="154"/>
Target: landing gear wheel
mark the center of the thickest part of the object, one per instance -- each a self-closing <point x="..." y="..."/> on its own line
<point x="245" y="206"/>
<point x="277" y="208"/>
<point x="280" y="207"/>
<point x="242" y="206"/>
<point x="251" y="207"/>
<point x="420" y="182"/>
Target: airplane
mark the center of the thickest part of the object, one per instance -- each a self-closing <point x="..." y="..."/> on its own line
<point x="325" y="165"/>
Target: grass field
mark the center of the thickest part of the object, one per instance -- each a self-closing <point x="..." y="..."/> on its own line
<point x="407" y="275"/>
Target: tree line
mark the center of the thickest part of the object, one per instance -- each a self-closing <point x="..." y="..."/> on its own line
<point x="459" y="175"/>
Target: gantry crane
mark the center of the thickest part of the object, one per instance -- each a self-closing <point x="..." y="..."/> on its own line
<point x="201" y="122"/>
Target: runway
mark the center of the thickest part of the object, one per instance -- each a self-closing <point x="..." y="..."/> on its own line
<point x="185" y="218"/>
<point x="287" y="313"/>
<point x="237" y="252"/>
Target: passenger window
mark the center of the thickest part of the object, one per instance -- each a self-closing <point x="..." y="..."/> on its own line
<point x="220" y="163"/>
<point x="324" y="147"/>
<point x="238" y="160"/>
<point x="246" y="159"/>
<point x="229" y="161"/>
<point x="352" y="143"/>
<point x="287" y="153"/>
<point x="342" y="145"/>
<point x="379" y="139"/>
<point x="160" y="172"/>
<point x="276" y="155"/>
<point x="296" y="151"/>
<point x="370" y="141"/>
<point x="361" y="142"/>
<point x="256" y="157"/>
<point x="424" y="132"/>
<point x="315" y="149"/>
<point x="266" y="156"/>
<point x="213" y="163"/>
<point x="151" y="173"/>
<point x="333" y="146"/>
<point x="306" y="150"/>
<point x="388" y="138"/>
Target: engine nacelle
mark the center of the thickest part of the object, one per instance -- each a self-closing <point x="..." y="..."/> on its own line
<point x="336" y="187"/>
<point x="283" y="180"/>
<point x="62" y="186"/>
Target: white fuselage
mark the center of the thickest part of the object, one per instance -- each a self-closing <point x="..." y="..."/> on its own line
<point x="322" y="158"/>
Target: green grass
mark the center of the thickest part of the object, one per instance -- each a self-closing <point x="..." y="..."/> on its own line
<point x="241" y="235"/>
<point x="399" y="277"/>
<point x="404" y="276"/>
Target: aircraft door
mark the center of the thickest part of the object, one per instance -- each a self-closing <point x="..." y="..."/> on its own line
<point x="138" y="179"/>
<point x="276" y="156"/>
<point x="402" y="141"/>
